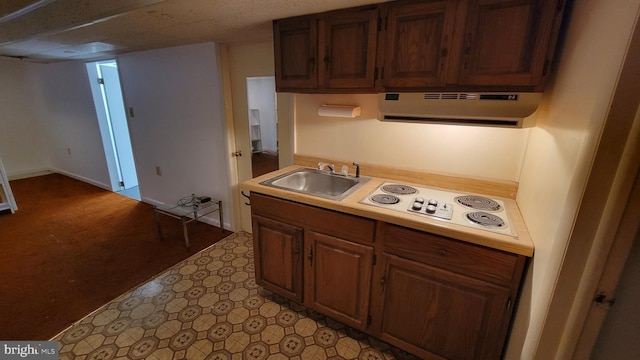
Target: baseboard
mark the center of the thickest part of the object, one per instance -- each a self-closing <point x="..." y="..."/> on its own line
<point x="39" y="172"/>
<point x="16" y="175"/>
<point x="84" y="179"/>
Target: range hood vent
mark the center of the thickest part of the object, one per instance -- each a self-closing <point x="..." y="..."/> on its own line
<point x="464" y="108"/>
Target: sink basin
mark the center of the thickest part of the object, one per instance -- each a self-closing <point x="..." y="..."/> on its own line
<point x="317" y="183"/>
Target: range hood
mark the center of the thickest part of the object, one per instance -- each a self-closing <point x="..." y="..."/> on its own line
<point x="502" y="109"/>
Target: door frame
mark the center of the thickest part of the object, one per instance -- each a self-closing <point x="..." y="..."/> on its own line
<point x="613" y="268"/>
<point x="601" y="218"/>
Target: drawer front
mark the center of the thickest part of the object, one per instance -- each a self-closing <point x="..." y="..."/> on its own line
<point x="469" y="259"/>
<point x="345" y="226"/>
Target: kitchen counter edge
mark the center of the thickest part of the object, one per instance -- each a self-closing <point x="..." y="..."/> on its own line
<point x="522" y="245"/>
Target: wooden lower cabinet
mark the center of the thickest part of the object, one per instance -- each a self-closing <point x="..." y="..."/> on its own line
<point x="278" y="249"/>
<point x="435" y="313"/>
<point x="433" y="296"/>
<point x="332" y="252"/>
<point x="338" y="278"/>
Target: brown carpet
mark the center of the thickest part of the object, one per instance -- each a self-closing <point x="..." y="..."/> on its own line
<point x="72" y="247"/>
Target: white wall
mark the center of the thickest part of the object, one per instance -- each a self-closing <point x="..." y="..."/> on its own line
<point x="69" y="122"/>
<point x="486" y="152"/>
<point x="178" y="123"/>
<point x="559" y="155"/>
<point x="21" y="142"/>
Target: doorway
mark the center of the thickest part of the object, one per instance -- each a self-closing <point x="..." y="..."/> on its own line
<point x="114" y="129"/>
<point x="263" y="124"/>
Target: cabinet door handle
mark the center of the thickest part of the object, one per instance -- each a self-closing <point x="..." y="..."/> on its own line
<point x="467" y="51"/>
<point x="248" y="198"/>
<point x="310" y="256"/>
<point x="312" y="64"/>
<point x="444" y="50"/>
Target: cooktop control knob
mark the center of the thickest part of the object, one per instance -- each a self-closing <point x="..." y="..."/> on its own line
<point x="431" y="209"/>
<point x="419" y="200"/>
<point x="416" y="205"/>
<point x="433" y="202"/>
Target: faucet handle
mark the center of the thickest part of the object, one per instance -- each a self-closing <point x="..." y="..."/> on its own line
<point x="357" y="169"/>
<point x="344" y="170"/>
<point x="322" y="165"/>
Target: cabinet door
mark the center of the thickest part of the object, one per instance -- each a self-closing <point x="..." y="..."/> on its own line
<point x="347" y="49"/>
<point x="277" y="255"/>
<point x="430" y="311"/>
<point x="418" y="41"/>
<point x="507" y="42"/>
<point x="338" y="278"/>
<point x="295" y="44"/>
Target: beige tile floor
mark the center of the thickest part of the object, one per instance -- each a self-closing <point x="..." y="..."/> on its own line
<point x="209" y="307"/>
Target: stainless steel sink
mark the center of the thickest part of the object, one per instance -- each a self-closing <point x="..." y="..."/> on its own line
<point x="317" y="183"/>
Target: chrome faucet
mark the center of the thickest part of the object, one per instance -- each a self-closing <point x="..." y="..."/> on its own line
<point x="322" y="165"/>
<point x="344" y="171"/>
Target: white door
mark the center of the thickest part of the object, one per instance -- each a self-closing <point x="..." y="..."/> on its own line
<point x="119" y="127"/>
<point x="241" y="62"/>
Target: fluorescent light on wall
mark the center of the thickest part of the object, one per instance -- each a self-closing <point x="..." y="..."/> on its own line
<point x="349" y="111"/>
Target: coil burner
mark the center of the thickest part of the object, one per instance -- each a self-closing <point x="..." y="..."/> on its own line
<point x="478" y="202"/>
<point x="440" y="207"/>
<point x="485" y="219"/>
<point x="399" y="189"/>
<point x="385" y="199"/>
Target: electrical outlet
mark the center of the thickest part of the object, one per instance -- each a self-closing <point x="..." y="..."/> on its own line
<point x="158" y="171"/>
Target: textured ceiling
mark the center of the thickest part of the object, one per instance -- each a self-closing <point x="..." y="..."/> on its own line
<point x="55" y="30"/>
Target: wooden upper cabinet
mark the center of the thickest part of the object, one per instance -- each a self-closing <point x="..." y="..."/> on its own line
<point x="295" y="44"/>
<point x="418" y="43"/>
<point x="347" y="48"/>
<point x="508" y="42"/>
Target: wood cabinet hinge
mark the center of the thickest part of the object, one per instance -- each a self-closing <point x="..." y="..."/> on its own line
<point x="375" y="74"/>
<point x="310" y="256"/>
<point x="605" y="300"/>
<point x="375" y="258"/>
<point x="368" y="320"/>
<point x="545" y="67"/>
<point x="382" y="73"/>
